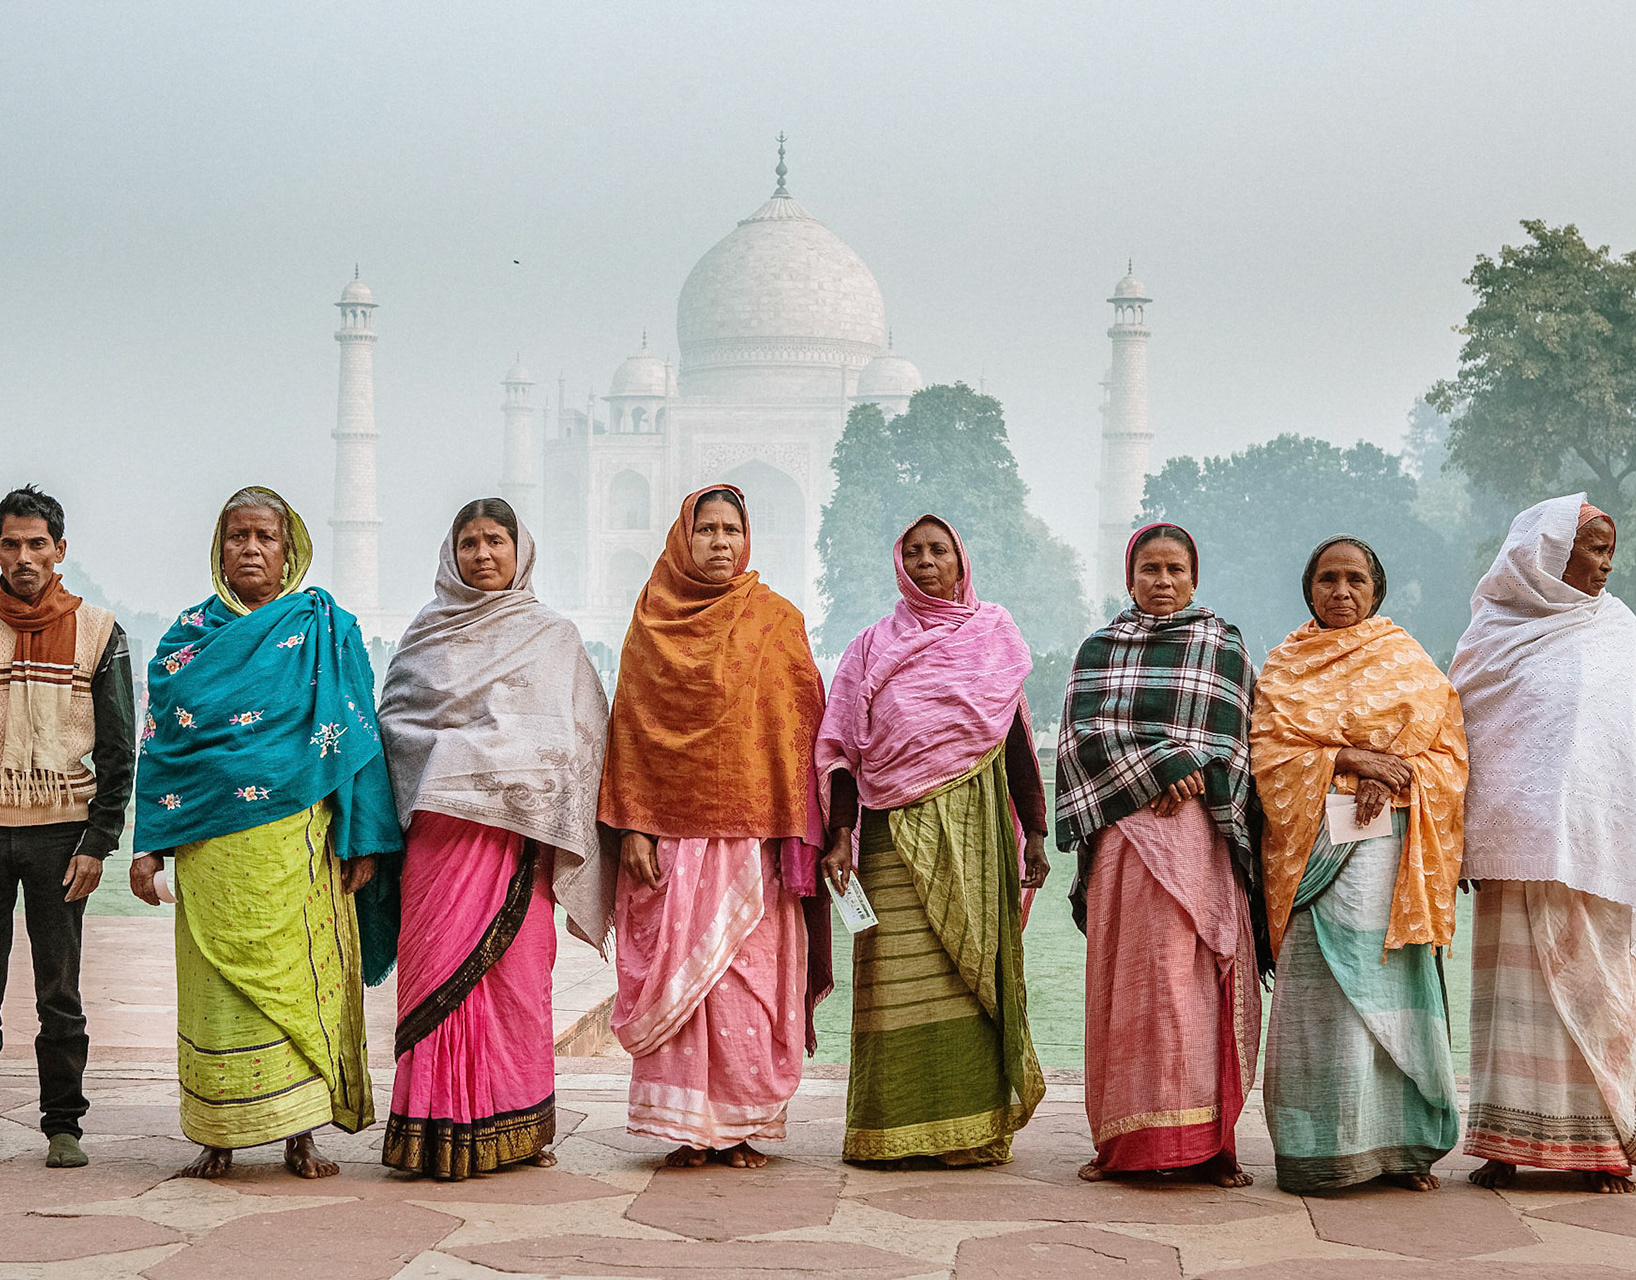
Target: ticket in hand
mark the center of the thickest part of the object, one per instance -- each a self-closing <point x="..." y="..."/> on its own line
<point x="856" y="913"/>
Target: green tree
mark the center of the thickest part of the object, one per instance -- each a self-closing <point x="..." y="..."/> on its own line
<point x="948" y="454"/>
<point x="1257" y="514"/>
<point x="1545" y="396"/>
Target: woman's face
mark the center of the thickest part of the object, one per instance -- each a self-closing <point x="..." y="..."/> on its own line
<point x="930" y="560"/>
<point x="1162" y="577"/>
<point x="1343" y="588"/>
<point x="1591" y="560"/>
<point x="718" y="539"/>
<point x="253" y="554"/>
<point x="485" y="554"/>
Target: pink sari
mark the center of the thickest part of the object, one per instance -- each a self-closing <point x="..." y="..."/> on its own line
<point x="712" y="997"/>
<point x="475" y="1083"/>
<point x="1170" y="966"/>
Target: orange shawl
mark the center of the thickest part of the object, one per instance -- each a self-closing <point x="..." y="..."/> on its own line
<point x="717" y="705"/>
<point x="1368" y="686"/>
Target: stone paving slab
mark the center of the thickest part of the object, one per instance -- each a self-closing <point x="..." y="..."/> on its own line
<point x="607" y="1210"/>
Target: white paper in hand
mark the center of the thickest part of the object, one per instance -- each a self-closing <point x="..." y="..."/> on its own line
<point x="161" y="886"/>
<point x="856" y="913"/>
<point x="1341" y="812"/>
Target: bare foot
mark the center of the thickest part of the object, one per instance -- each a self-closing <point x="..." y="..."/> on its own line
<point x="543" y="1159"/>
<point x="1221" y="1170"/>
<point x="686" y="1158"/>
<point x="743" y="1156"/>
<point x="302" y="1159"/>
<point x="1493" y="1174"/>
<point x="1414" y="1181"/>
<point x="1609" y="1184"/>
<point x="1094" y="1172"/>
<point x="211" y="1162"/>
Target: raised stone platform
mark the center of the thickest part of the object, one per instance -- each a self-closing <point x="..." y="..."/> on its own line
<point x="607" y="1211"/>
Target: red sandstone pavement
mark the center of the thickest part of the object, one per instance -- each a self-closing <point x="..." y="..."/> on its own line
<point x="607" y="1211"/>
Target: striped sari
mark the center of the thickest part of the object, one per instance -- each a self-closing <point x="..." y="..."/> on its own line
<point x="1360" y="1073"/>
<point x="1553" y="1029"/>
<point x="942" y="1062"/>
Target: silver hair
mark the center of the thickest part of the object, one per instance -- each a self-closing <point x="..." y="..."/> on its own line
<point x="254" y="496"/>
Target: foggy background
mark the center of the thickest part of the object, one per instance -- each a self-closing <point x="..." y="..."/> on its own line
<point x="184" y="189"/>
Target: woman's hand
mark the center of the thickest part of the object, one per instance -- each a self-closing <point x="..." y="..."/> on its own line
<point x="357" y="872"/>
<point x="836" y="864"/>
<point x="1036" y="866"/>
<point x="1372" y="797"/>
<point x="1169" y="801"/>
<point x="1379" y="766"/>
<point x="143" y="870"/>
<point x="639" y="858"/>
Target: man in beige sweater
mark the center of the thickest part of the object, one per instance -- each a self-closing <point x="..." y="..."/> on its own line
<point x="65" y="694"/>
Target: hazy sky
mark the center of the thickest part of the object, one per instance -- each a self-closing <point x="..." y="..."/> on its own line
<point x="184" y="190"/>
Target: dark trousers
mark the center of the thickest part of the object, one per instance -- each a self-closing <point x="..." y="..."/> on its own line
<point x="37" y="858"/>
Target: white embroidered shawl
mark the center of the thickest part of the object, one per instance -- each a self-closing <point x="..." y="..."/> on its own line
<point x="491" y="711"/>
<point x="1547" y="679"/>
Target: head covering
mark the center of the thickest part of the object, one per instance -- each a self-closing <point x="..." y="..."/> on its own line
<point x="1369" y="685"/>
<point x="1587" y="513"/>
<point x="1130" y="549"/>
<point x="492" y="712"/>
<point x="717" y="705"/>
<point x="297" y="550"/>
<point x="256" y="715"/>
<point x="922" y="695"/>
<point x="1376" y="570"/>
<point x="1547" y="675"/>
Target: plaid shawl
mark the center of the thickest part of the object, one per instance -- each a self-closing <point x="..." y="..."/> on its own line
<point x="1151" y="700"/>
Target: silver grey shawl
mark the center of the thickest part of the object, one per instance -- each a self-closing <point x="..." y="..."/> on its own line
<point x="492" y="712"/>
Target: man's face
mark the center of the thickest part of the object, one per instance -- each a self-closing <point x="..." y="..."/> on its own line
<point x="29" y="555"/>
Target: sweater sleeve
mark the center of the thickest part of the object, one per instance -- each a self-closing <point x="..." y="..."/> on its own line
<point x="113" y="750"/>
<point x="1022" y="771"/>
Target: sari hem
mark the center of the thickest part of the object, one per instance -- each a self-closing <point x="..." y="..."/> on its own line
<point x="984" y="1138"/>
<point x="452" y="1150"/>
<point x="1300" y="1175"/>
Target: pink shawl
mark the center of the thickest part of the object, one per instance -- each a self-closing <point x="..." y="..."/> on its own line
<point x="925" y="693"/>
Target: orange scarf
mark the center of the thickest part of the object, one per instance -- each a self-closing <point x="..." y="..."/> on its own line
<point x="717" y="706"/>
<point x="34" y="762"/>
<point x="1368" y="686"/>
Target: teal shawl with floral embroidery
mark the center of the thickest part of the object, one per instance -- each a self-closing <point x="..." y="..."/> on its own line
<point x="257" y="716"/>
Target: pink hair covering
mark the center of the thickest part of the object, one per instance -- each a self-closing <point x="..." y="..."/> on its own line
<point x="1130" y="549"/>
<point x="1587" y="513"/>
<point x="922" y="695"/>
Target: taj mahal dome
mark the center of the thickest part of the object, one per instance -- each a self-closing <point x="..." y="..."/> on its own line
<point x="782" y="331"/>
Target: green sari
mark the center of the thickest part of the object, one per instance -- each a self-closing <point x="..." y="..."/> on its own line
<point x="1360" y="1073"/>
<point x="942" y="1061"/>
<point x="270" y="1015"/>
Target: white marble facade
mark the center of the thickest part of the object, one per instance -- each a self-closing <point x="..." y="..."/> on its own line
<point x="782" y="330"/>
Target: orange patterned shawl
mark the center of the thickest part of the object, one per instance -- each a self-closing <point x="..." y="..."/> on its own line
<point x="1368" y="686"/>
<point x="717" y="707"/>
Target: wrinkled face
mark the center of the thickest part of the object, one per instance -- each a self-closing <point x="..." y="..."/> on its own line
<point x="485" y="554"/>
<point x="1343" y="587"/>
<point x="1162" y="577"/>
<point x="1591" y="560"/>
<point x="29" y="555"/>
<point x="253" y="554"/>
<point x="930" y="560"/>
<point x="718" y="539"/>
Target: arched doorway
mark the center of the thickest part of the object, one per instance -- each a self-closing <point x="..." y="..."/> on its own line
<point x="778" y="528"/>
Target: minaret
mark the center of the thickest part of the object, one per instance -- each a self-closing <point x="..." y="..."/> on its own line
<point x="517" y="482"/>
<point x="1125" y="435"/>
<point x="356" y="520"/>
